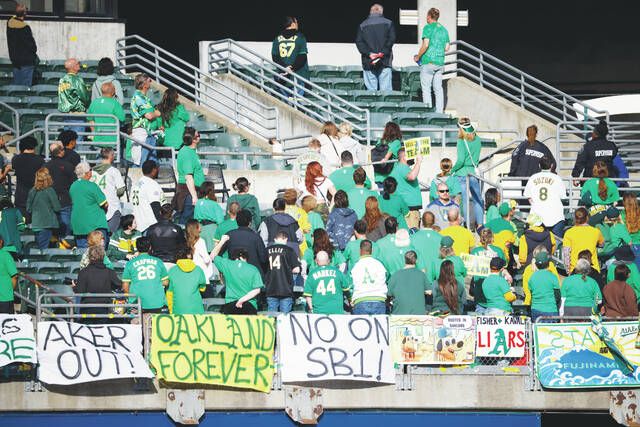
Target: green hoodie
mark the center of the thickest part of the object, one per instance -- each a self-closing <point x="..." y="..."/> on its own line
<point x="73" y="96"/>
<point x="186" y="281"/>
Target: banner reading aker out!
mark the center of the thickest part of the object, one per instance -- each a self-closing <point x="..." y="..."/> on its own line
<point x="233" y="351"/>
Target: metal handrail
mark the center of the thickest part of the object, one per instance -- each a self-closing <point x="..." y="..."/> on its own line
<point x="21" y="137"/>
<point x="72" y="304"/>
<point x="229" y="55"/>
<point x="16" y="119"/>
<point x="82" y="119"/>
<point x="239" y="108"/>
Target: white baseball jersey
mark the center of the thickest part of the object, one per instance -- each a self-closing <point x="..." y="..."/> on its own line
<point x="546" y="190"/>
<point x="143" y="193"/>
<point x="109" y="181"/>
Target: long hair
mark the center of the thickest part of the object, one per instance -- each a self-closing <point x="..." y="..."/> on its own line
<point x="207" y="191"/>
<point x="330" y="129"/>
<point x="600" y="170"/>
<point x="491" y="198"/>
<point x="372" y="214"/>
<point x="532" y="132"/>
<point x="322" y="242"/>
<point x="192" y="229"/>
<point x="168" y="104"/>
<point x="241" y="185"/>
<point x="314" y="170"/>
<point x="581" y="216"/>
<point x="43" y="179"/>
<point x="449" y="285"/>
<point x="632" y="212"/>
<point x="391" y="132"/>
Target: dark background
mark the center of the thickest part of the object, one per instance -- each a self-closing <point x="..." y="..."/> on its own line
<point x="583" y="47"/>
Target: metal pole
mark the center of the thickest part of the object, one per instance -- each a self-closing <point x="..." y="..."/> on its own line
<point x="481" y="71"/>
<point x="157" y="64"/>
<point x="522" y="90"/>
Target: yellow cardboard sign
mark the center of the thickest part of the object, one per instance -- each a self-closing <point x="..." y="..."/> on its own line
<point x="414" y="146"/>
<point x="476" y="265"/>
<point x="232" y="351"/>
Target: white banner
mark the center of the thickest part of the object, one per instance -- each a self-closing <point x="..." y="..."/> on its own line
<point x="72" y="353"/>
<point x="17" y="343"/>
<point x="314" y="347"/>
<point x="500" y="336"/>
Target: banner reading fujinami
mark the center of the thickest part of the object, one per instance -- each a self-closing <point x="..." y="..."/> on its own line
<point x="17" y="343"/>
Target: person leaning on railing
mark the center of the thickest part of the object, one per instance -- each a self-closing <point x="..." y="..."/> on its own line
<point x="468" y="148"/>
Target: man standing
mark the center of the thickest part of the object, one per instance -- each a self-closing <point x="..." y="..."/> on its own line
<point x="359" y="194"/>
<point x="190" y="175"/>
<point x="63" y="176"/>
<point x="426" y="241"/>
<point x="281" y="221"/>
<point x="289" y="50"/>
<point x="343" y="178"/>
<point x="283" y="264"/>
<point x="147" y="197"/>
<point x="375" y="39"/>
<point x="369" y="278"/>
<point x="390" y="249"/>
<point x="408" y="186"/>
<point x="73" y="96"/>
<point x="25" y="166"/>
<point x="440" y="207"/>
<point x="106" y="104"/>
<point x="110" y="181"/>
<point x="325" y="287"/>
<point x="143" y="116"/>
<point x="146" y="277"/>
<point x="165" y="236"/>
<point x="545" y="191"/>
<point x="69" y="139"/>
<point x="435" y="42"/>
<point x="407" y="287"/>
<point x="89" y="207"/>
<point x="22" y="48"/>
<point x="245" y="238"/>
<point x="598" y="148"/>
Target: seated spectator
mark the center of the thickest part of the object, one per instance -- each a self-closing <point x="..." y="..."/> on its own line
<point x="445" y="177"/>
<point x="351" y="252"/>
<point x="316" y="184"/>
<point x="281" y="221"/>
<point x="8" y="279"/>
<point x="329" y="144"/>
<point x="174" y="118"/>
<point x="348" y="143"/>
<point x="89" y="206"/>
<point x="408" y="186"/>
<point x="359" y="194"/>
<point x="530" y="269"/>
<point x="342" y="178"/>
<point x="198" y="248"/>
<point x="341" y="221"/>
<point x="581" y="294"/>
<point x="441" y="206"/>
<point x="283" y="264"/>
<point x="390" y="249"/>
<point x="43" y="206"/>
<point x="544" y="288"/>
<point x="147" y="197"/>
<point x="106" y="104"/>
<point x="122" y="245"/>
<point x="407" y="288"/>
<point x="496" y="290"/>
<point x="325" y="287"/>
<point x="63" y="175"/>
<point x="448" y="291"/>
<point x="504" y="233"/>
<point x="208" y="213"/>
<point x="447" y="253"/>
<point x="491" y="201"/>
<point x="105" y="73"/>
<point x="369" y="279"/>
<point x="146" y="277"/>
<point x="624" y="256"/>
<point x="316" y="222"/>
<point x="615" y="233"/>
<point x="69" y="139"/>
<point x="299" y="214"/>
<point x="619" y="298"/>
<point x="581" y="237"/>
<point x="393" y="204"/>
<point x="374" y="219"/>
<point x="96" y="278"/>
<point x="246" y="201"/>
<point x="11" y="226"/>
<point x="321" y="242"/>
<point x="599" y="193"/>
<point x="228" y="224"/>
<point x="311" y="155"/>
<point x="245" y="238"/>
<point x="463" y="239"/>
<point x="534" y="236"/>
<point x="95" y="238"/>
<point x="165" y="236"/>
<point x="186" y="282"/>
<point x="426" y="241"/>
<point x="243" y="281"/>
<point x="25" y="166"/>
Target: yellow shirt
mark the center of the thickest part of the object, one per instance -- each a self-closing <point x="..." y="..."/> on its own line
<point x="581" y="237"/>
<point x="302" y="218"/>
<point x="526" y="275"/>
<point x="463" y="239"/>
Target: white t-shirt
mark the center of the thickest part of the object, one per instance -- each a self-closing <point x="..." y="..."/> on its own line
<point x="202" y="259"/>
<point x="329" y="148"/>
<point x="322" y="191"/>
<point x="109" y="182"/>
<point x="546" y="190"/>
<point x="369" y="278"/>
<point x="347" y="143"/>
<point x="143" y="193"/>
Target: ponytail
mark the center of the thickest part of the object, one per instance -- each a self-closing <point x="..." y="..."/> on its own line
<point x="602" y="189"/>
<point x="600" y="170"/>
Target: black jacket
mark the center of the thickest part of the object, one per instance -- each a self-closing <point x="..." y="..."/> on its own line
<point x="376" y="34"/>
<point x="165" y="238"/>
<point x="599" y="149"/>
<point x="525" y="159"/>
<point x="97" y="279"/>
<point x="63" y="176"/>
<point x="22" y="46"/>
<point x="244" y="237"/>
<point x="535" y="239"/>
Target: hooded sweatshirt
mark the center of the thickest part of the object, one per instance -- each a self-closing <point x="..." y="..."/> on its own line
<point x="277" y="222"/>
<point x="340" y="226"/>
<point x="531" y="238"/>
<point x="96" y="88"/>
<point x="186" y="281"/>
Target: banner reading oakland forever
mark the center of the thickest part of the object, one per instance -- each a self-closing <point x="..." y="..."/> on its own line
<point x="233" y="351"/>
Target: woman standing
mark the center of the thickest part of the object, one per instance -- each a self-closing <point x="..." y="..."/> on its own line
<point x="322" y="242"/>
<point x="581" y="294"/>
<point x="208" y="212"/>
<point x="316" y="184"/>
<point x="599" y="193"/>
<point x="348" y="143"/>
<point x="468" y="149"/>
<point x="580" y="237"/>
<point x="96" y="278"/>
<point x="246" y="201"/>
<point x="174" y="118"/>
<point x="374" y="219"/>
<point x="329" y="143"/>
<point x="198" y="248"/>
<point x="341" y="221"/>
<point x="43" y="206"/>
<point x="448" y="292"/>
<point x="525" y="159"/>
<point x="392" y="204"/>
<point x="391" y="141"/>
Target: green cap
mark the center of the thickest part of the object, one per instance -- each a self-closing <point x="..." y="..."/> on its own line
<point x="504" y="209"/>
<point x="465" y="124"/>
<point x="542" y="257"/>
<point x="446" y="242"/>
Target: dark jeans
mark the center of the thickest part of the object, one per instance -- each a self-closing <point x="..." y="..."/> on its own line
<point x="558" y="229"/>
<point x="23" y="75"/>
<point x="369" y="307"/>
<point x="187" y="211"/>
<point x="535" y="314"/>
<point x="114" y="222"/>
<point x="43" y="237"/>
<point x="65" y="221"/>
<point x="6" y="307"/>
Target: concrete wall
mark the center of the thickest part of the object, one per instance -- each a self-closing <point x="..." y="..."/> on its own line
<point x="66" y="39"/>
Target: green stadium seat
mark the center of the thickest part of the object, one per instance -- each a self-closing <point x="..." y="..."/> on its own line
<point x="17" y="90"/>
<point x="28" y="116"/>
<point x="72" y="266"/>
<point x="366" y="96"/>
<point x="48" y="267"/>
<point x="323" y="83"/>
<point x="231" y="140"/>
<point x="438" y="119"/>
<point x="213" y="305"/>
<point x="55" y="65"/>
<point x="394" y="96"/>
<point x="52" y="77"/>
<point x="410" y="119"/>
<point x="236" y="164"/>
<point x="208" y="127"/>
<point x="26" y="268"/>
<point x="89" y="66"/>
<point x="13" y="101"/>
<point x="6" y="77"/>
<point x="271" y="164"/>
<point x="40" y="277"/>
<point x="384" y="107"/>
<point x="353" y="72"/>
<point x="41" y="102"/>
<point x="62" y="255"/>
<point x="415" y="107"/>
<point x="342" y="83"/>
<point x="50" y="90"/>
<point x="325" y="71"/>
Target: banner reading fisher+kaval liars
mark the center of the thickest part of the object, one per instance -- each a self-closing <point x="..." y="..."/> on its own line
<point x="233" y="351"/>
<point x="429" y="340"/>
<point x="315" y="347"/>
<point x="572" y="355"/>
<point x="17" y="342"/>
<point x="73" y="353"/>
<point x="501" y="336"/>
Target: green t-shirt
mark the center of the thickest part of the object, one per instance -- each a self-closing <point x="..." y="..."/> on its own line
<point x="390" y="255"/>
<point x="342" y="179"/>
<point x="189" y="164"/>
<point x="186" y="286"/>
<point x="288" y="49"/>
<point x="491" y="251"/>
<point x="145" y="273"/>
<point x="492" y="213"/>
<point x="396" y="207"/>
<point x="104" y="105"/>
<point x="408" y="190"/>
<point x="87" y="214"/>
<point x="542" y="284"/>
<point x="316" y="222"/>
<point x="407" y="287"/>
<point x="438" y="37"/>
<point x="225" y="226"/>
<point x="358" y="197"/>
<point x="7" y="271"/>
<point x="250" y="203"/>
<point x="208" y="210"/>
<point x="494" y="287"/>
<point x="633" y="280"/>
<point x="591" y="187"/>
<point x="580" y="293"/>
<point x="326" y="287"/>
<point x="467" y="158"/>
<point x="427" y="244"/>
<point x="351" y="252"/>
<point x="394" y="147"/>
<point x="240" y="278"/>
<point x="458" y="267"/>
<point x="174" y="130"/>
<point x="208" y="233"/>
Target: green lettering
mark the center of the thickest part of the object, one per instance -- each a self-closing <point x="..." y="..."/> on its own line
<point x="188" y="364"/>
<point x="204" y="320"/>
<point x="587" y="338"/>
<point x="183" y="328"/>
<point x="500" y="342"/>
<point x="235" y="333"/>
<point x="254" y="333"/>
<point x="572" y="332"/>
<point x="157" y="320"/>
<point x="267" y="331"/>
<point x="226" y="373"/>
<point x="197" y="357"/>
<point x="210" y="366"/>
<point x="164" y="366"/>
<point x="558" y="337"/>
<point x="260" y="363"/>
<point x="240" y="369"/>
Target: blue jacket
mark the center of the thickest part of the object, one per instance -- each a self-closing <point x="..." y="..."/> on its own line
<point x="340" y="226"/>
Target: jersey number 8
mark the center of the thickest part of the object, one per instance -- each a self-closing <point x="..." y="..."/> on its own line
<point x="544" y="193"/>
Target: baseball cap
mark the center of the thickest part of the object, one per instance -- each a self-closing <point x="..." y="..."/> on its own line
<point x="542" y="257"/>
<point x="504" y="209"/>
<point x="497" y="263"/>
<point x="613" y="213"/>
<point x="446" y="242"/>
<point x="534" y="219"/>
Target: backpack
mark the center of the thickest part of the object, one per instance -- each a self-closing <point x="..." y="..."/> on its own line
<point x="377" y="154"/>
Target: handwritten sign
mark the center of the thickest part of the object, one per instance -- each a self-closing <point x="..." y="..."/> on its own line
<point x="17" y="342"/>
<point x="429" y="340"/>
<point x="72" y="353"/>
<point x="414" y="146"/>
<point x="476" y="265"/>
<point x="234" y="351"/>
<point x="502" y="336"/>
<point x="316" y="347"/>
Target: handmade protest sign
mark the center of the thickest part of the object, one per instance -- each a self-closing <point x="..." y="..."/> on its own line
<point x="73" y="353"/>
<point x="233" y="351"/>
<point x="502" y="336"/>
<point x="414" y="146"/>
<point x="429" y="340"/>
<point x="314" y="347"/>
<point x="17" y="342"/>
<point x="476" y="265"/>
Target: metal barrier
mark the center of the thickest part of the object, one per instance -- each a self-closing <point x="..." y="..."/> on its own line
<point x="53" y="123"/>
<point x="245" y="156"/>
<point x="17" y="139"/>
<point x="73" y="306"/>
<point x="15" y="114"/>
<point x="230" y="56"/>
<point x="136" y="54"/>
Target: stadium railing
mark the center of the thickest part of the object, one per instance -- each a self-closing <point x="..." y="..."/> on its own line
<point x="14" y="128"/>
<point x="121" y="307"/>
<point x="54" y="122"/>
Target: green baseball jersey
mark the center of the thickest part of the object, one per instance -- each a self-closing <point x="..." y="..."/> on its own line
<point x="326" y="287"/>
<point x="240" y="278"/>
<point x="145" y="274"/>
